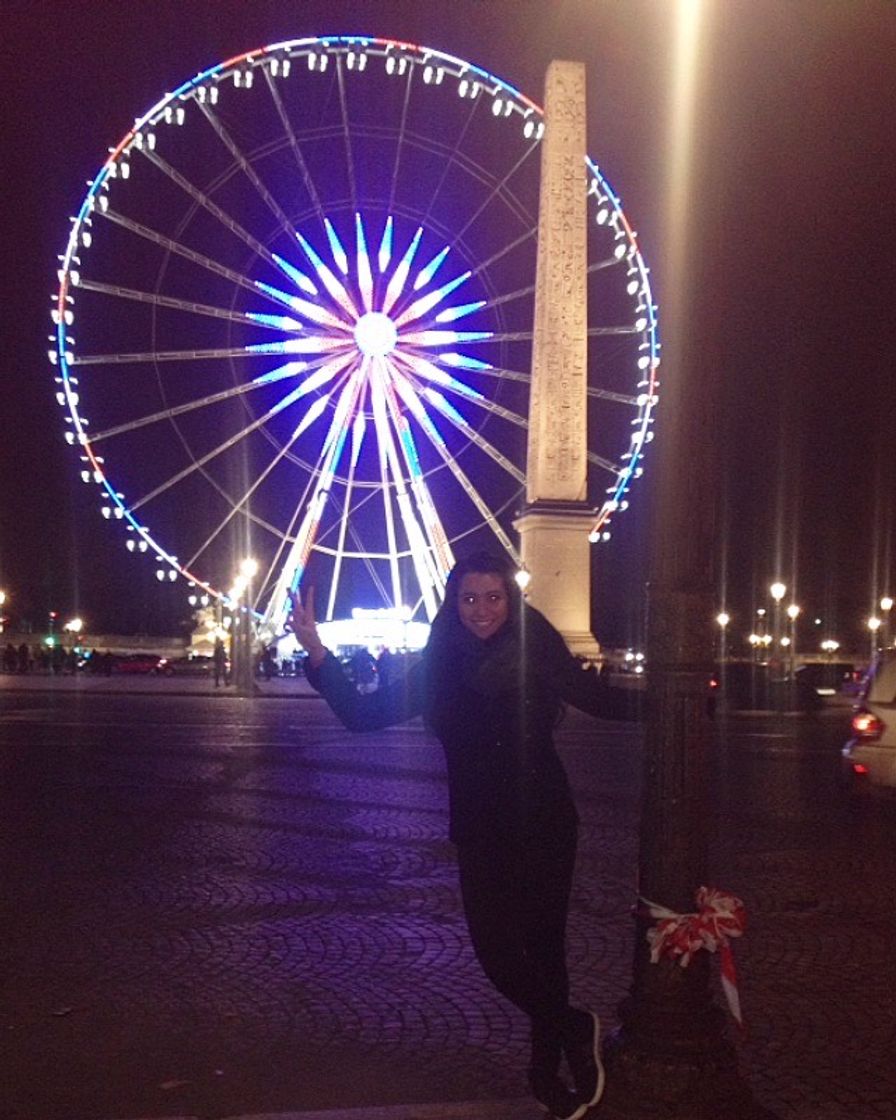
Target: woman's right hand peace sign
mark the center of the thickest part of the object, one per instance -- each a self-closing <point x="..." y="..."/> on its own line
<point x="304" y="625"/>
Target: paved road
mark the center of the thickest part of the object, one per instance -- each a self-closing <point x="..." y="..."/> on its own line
<point x="216" y="906"/>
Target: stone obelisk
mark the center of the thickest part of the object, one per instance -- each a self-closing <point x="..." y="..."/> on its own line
<point x="555" y="523"/>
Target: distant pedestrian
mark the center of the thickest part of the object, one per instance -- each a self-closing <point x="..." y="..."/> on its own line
<point x="385" y="665"/>
<point x="10" y="658"/>
<point x="268" y="664"/>
<point x="219" y="657"/>
<point x="491" y="685"/>
<point x="24" y="658"/>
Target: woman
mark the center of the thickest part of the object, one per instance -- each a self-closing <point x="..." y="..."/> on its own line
<point x="491" y="685"/>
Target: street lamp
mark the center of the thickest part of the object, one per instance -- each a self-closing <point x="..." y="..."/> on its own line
<point x="2" y="601"/>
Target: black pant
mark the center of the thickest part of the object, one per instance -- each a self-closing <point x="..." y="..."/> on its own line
<point x="516" y="900"/>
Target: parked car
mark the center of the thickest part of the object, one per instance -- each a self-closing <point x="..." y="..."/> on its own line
<point x="829" y="678"/>
<point x="751" y="686"/>
<point x="137" y="663"/>
<point x="193" y="665"/>
<point x="869" y="758"/>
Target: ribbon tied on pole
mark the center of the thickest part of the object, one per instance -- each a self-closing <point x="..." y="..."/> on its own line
<point x="718" y="918"/>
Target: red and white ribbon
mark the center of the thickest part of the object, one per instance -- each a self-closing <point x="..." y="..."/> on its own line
<point x="719" y="917"/>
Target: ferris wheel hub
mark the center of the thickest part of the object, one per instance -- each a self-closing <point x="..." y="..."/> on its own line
<point x="375" y="334"/>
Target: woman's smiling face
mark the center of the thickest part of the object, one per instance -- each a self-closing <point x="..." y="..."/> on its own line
<point x="482" y="603"/>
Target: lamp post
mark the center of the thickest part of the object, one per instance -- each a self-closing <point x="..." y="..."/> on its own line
<point x="886" y="605"/>
<point x="760" y="633"/>
<point x="793" y="613"/>
<point x="722" y="620"/>
<point x="874" y="625"/>
<point x="777" y="591"/>
<point x="241" y="639"/>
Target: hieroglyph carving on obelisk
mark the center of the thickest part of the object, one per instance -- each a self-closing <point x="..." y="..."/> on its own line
<point x="557" y="451"/>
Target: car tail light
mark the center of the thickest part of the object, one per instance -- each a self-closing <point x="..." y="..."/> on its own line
<point x="866" y="725"/>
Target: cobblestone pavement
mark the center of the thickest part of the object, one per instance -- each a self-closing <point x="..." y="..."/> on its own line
<point x="220" y="907"/>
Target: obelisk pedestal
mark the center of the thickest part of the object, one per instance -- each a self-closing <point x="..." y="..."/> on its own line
<point x="555" y="523"/>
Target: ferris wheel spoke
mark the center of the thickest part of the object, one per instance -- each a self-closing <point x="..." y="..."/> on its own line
<point x="452" y="156"/>
<point x="297" y="558"/>
<point x="412" y="402"/>
<point x="437" y="539"/>
<point x="347" y="136"/>
<point x="433" y="373"/>
<point x="291" y="369"/>
<point x="294" y="146"/>
<point x="388" y="458"/>
<point x="176" y="247"/>
<point x="259" y="351"/>
<point x="509" y="297"/>
<point x="341" y="535"/>
<point x="499" y="190"/>
<point x="438" y="401"/>
<point x="486" y="370"/>
<point x="211" y="207"/>
<point x="597" y="332"/>
<point x="239" y="504"/>
<point x="606" y="262"/>
<point x="400" y="139"/>
<point x="319" y="372"/>
<point x="225" y="445"/>
<point x="171" y="303"/>
<point x="528" y="235"/>
<point x="421" y="306"/>
<point x="246" y="167"/>
<point x="606" y="395"/>
<point x="604" y="464"/>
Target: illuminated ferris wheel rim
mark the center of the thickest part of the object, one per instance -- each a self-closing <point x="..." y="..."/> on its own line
<point x="356" y="51"/>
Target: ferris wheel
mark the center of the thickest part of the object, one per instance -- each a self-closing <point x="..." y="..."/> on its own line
<point x="294" y="321"/>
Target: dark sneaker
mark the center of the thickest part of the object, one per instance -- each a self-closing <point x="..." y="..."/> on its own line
<point x="550" y="1091"/>
<point x="582" y="1048"/>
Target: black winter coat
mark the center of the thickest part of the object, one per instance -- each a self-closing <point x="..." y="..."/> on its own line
<point x="493" y="705"/>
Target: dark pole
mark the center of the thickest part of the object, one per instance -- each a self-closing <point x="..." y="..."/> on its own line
<point x="672" y="1055"/>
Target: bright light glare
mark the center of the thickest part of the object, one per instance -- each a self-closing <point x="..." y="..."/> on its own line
<point x="375" y="334"/>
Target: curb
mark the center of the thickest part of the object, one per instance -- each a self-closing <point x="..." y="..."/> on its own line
<point x="523" y="1108"/>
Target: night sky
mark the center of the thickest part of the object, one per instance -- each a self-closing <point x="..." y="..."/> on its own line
<point x="792" y="255"/>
